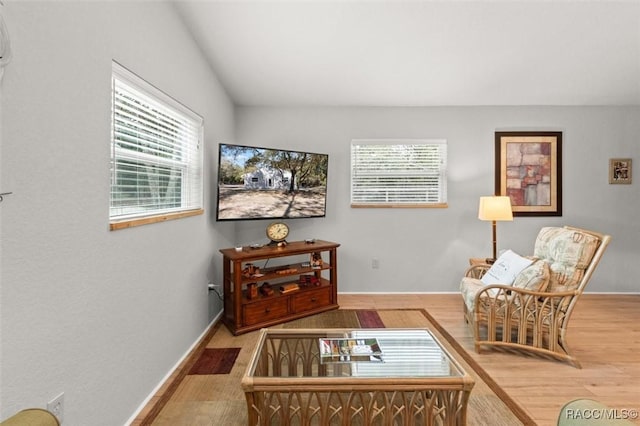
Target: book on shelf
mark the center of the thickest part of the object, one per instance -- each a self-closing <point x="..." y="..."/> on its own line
<point x="349" y="350"/>
<point x="287" y="288"/>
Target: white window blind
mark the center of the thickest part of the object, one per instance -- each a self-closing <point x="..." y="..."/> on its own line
<point x="399" y="173"/>
<point x="406" y="353"/>
<point x="156" y="152"/>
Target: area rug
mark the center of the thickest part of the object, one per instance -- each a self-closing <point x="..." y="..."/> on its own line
<point x="217" y="399"/>
<point x="215" y="361"/>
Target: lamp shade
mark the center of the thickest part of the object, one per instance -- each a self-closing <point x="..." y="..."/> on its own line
<point x="495" y="208"/>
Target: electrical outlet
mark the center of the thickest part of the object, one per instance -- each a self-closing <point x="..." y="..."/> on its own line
<point x="375" y="264"/>
<point x="217" y="289"/>
<point x="56" y="407"/>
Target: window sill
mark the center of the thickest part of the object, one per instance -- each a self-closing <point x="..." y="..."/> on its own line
<point x="401" y="206"/>
<point x="130" y="223"/>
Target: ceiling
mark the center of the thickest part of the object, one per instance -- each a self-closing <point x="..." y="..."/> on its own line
<point x="420" y="52"/>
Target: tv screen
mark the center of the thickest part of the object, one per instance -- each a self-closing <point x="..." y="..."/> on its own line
<point x="269" y="183"/>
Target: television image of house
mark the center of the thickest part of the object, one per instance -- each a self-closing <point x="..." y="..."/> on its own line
<point x="267" y="178"/>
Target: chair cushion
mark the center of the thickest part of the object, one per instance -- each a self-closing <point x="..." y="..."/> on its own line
<point x="534" y="277"/>
<point x="568" y="253"/>
<point x="506" y="268"/>
<point x="32" y="417"/>
<point x="469" y="288"/>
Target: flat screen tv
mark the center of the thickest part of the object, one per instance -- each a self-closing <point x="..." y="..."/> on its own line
<point x="269" y="183"/>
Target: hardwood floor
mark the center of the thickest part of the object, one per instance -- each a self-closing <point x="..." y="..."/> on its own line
<point x="604" y="333"/>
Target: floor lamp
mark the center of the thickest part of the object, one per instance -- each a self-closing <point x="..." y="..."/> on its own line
<point x="495" y="208"/>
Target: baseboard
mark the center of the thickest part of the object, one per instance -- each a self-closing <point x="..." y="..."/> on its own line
<point x="171" y="371"/>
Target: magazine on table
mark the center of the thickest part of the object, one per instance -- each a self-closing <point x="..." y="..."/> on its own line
<point x="349" y="350"/>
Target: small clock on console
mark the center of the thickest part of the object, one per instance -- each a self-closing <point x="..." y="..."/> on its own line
<point x="277" y="232"/>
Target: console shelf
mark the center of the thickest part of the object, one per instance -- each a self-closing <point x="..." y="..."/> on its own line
<point x="243" y="313"/>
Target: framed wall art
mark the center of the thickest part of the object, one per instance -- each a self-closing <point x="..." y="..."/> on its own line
<point x="620" y="170"/>
<point x="529" y="171"/>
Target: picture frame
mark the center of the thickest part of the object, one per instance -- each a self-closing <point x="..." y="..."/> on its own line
<point x="620" y="170"/>
<point x="529" y="170"/>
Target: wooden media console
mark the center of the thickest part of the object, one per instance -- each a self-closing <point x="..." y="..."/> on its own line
<point x="257" y="296"/>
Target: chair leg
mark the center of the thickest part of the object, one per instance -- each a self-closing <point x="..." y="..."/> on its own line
<point x="465" y="313"/>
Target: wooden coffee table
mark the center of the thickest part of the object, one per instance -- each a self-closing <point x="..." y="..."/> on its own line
<point x="417" y="382"/>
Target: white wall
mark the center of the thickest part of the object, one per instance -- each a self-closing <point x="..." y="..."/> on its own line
<point x="427" y="250"/>
<point x="101" y="316"/>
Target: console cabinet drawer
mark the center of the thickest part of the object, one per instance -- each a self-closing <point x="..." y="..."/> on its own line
<point x="255" y="313"/>
<point x="311" y="299"/>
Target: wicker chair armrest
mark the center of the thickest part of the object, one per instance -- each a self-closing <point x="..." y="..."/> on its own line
<point x="541" y="294"/>
<point x="488" y="287"/>
<point x="499" y="294"/>
<point x="477" y="271"/>
<point x="495" y="288"/>
<point x="492" y="291"/>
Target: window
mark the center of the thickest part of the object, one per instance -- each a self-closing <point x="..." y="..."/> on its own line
<point x="399" y="173"/>
<point x="156" y="154"/>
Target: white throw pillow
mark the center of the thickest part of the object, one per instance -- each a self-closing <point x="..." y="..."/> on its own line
<point x="506" y="268"/>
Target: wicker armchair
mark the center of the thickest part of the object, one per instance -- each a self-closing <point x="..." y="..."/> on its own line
<point x="533" y="313"/>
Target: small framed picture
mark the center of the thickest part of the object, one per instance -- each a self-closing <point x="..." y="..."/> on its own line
<point x="620" y="170"/>
<point x="316" y="260"/>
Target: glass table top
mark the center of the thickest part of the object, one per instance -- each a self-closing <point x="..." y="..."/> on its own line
<point x="401" y="353"/>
